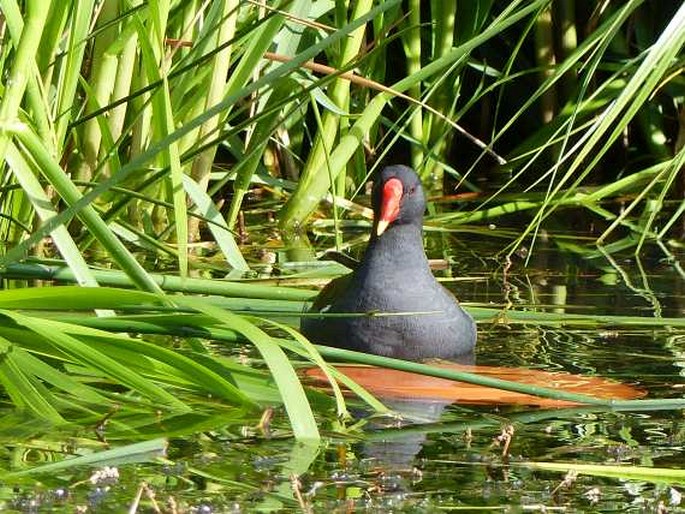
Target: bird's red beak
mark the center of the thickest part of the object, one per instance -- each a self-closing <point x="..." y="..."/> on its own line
<point x="390" y="204"/>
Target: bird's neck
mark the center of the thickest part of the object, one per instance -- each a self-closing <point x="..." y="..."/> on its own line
<point x="399" y="247"/>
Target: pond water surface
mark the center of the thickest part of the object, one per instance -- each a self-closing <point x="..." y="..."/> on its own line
<point x="471" y="458"/>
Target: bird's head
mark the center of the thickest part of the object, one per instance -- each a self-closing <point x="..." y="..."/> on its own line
<point x="398" y="198"/>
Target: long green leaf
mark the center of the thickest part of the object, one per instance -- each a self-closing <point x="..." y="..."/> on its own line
<point x="136" y="452"/>
<point x="293" y="396"/>
<point x="22" y="388"/>
<point x="56" y="334"/>
<point x="624" y="472"/>
<point x="23" y="63"/>
<point x="70" y="194"/>
<point x="169" y="283"/>
<point x="218" y="226"/>
<point x="45" y="210"/>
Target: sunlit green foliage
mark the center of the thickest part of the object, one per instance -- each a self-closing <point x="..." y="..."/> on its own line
<point x="131" y="132"/>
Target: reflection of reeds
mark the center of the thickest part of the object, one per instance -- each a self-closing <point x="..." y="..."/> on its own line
<point x="395" y="384"/>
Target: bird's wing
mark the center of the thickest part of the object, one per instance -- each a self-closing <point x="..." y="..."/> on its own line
<point x="330" y="292"/>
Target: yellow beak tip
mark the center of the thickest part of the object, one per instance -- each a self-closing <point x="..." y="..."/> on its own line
<point x="382" y="225"/>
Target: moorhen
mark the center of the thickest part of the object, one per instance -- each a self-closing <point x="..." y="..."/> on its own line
<point x="394" y="277"/>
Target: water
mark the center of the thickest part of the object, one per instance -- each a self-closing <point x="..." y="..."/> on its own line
<point x="455" y="459"/>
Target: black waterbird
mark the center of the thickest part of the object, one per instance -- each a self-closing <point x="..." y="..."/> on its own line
<point x="394" y="277"/>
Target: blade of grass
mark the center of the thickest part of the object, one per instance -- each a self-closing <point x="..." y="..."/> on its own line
<point x="71" y="195"/>
<point x="624" y="472"/>
<point x="165" y="365"/>
<point x="162" y="126"/>
<point x="56" y="334"/>
<point x="24" y="391"/>
<point x="314" y="356"/>
<point x="23" y="63"/>
<point x="68" y="298"/>
<point x="136" y="452"/>
<point x="45" y="210"/>
<point x="471" y="378"/>
<point x="49" y="374"/>
<point x="168" y="283"/>
<point x="293" y="396"/>
<point x="218" y="226"/>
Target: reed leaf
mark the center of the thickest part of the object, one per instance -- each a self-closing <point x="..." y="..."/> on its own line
<point x="55" y="333"/>
<point x="293" y="396"/>
<point x="137" y="452"/>
<point x="624" y="472"/>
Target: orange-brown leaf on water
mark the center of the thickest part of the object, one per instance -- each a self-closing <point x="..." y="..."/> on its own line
<point x="390" y="383"/>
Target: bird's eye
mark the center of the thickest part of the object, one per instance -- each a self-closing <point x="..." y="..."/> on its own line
<point x="411" y="190"/>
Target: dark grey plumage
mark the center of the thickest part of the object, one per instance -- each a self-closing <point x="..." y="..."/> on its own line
<point x="394" y="276"/>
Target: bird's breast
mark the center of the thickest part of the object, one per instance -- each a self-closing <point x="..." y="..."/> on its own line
<point x="396" y="292"/>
